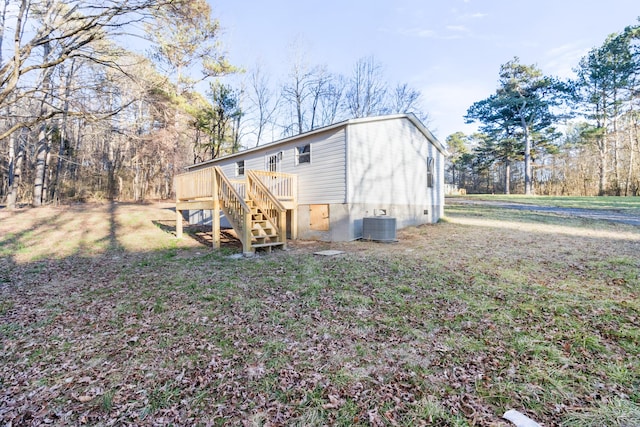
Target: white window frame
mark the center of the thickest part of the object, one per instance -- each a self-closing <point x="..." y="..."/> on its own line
<point x="240" y="169"/>
<point x="272" y="162"/>
<point x="300" y="153"/>
<point x="430" y="172"/>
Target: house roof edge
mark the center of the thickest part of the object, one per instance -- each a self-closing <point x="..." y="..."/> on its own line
<point x="409" y="116"/>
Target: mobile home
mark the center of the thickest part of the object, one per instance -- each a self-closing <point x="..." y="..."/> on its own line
<point x="375" y="166"/>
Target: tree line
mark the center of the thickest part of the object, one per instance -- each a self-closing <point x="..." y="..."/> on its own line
<point x="84" y="117"/>
<point x="540" y="134"/>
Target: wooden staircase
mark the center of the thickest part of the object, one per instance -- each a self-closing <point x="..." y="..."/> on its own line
<point x="251" y="207"/>
<point x="263" y="233"/>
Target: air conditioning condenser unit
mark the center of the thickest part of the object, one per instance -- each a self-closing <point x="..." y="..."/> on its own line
<point x="379" y="228"/>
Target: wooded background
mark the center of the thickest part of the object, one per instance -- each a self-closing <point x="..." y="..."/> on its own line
<point x="573" y="137"/>
<point x="86" y="118"/>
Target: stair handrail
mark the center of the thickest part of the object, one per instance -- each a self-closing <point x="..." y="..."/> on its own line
<point x="234" y="207"/>
<point x="266" y="201"/>
<point x="285" y="184"/>
<point x="255" y="183"/>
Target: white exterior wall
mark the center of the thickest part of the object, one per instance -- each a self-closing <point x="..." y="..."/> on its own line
<point x="323" y="181"/>
<point x="387" y="170"/>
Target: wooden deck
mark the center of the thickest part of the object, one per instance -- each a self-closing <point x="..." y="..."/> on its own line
<point x="256" y="206"/>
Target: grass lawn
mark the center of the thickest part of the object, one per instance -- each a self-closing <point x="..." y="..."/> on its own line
<point x="107" y="319"/>
<point x="630" y="205"/>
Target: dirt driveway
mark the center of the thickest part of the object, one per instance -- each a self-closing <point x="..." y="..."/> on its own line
<point x="599" y="214"/>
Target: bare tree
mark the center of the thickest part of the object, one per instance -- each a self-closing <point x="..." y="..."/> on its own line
<point x="318" y="89"/>
<point x="185" y="38"/>
<point x="332" y="101"/>
<point x="367" y="89"/>
<point x="263" y="100"/>
<point x="295" y="92"/>
<point x="67" y="29"/>
<point x="47" y="34"/>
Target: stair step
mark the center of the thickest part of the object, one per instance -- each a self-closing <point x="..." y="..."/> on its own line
<point x="253" y="234"/>
<point x="264" y="236"/>
<point x="267" y="228"/>
<point x="266" y="245"/>
<point x="259" y="227"/>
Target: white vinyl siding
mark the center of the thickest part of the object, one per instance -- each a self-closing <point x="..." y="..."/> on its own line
<point x="323" y="181"/>
<point x="388" y="161"/>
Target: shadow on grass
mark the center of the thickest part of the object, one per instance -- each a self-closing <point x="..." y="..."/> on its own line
<point x="202" y="234"/>
<point x="558" y="222"/>
<point x="78" y="330"/>
<point x="111" y="239"/>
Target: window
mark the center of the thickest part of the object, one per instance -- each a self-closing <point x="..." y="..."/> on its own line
<point x="273" y="162"/>
<point x="430" y="172"/>
<point x="303" y="154"/>
<point x="240" y="168"/>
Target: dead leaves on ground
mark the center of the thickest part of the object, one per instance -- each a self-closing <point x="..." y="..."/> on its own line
<point x="371" y="338"/>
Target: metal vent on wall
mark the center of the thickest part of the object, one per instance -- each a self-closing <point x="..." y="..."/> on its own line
<point x="379" y="228"/>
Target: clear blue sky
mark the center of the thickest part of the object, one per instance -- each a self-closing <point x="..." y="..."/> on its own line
<point x="449" y="50"/>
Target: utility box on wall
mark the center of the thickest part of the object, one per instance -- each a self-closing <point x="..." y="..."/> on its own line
<point x="379" y="228"/>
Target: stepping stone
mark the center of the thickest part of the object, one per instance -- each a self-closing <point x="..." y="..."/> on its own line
<point x="329" y="252"/>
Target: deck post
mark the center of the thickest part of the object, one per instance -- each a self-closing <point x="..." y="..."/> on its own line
<point x="215" y="213"/>
<point x="178" y="223"/>
<point x="282" y="228"/>
<point x="176" y="186"/>
<point x="294" y="211"/>
<point x="294" y="223"/>
<point x="246" y="238"/>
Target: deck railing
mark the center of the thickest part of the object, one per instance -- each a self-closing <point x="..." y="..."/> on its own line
<point x="282" y="185"/>
<point x="241" y="187"/>
<point x="194" y="185"/>
<point x="199" y="184"/>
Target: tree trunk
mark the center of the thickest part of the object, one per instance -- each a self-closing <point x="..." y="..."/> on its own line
<point x="15" y="170"/>
<point x="3" y="16"/>
<point x="507" y="177"/>
<point x="453" y="174"/>
<point x="602" y="167"/>
<point x="42" y="150"/>
<point x="616" y="160"/>
<point x="528" y="187"/>
<point x="63" y="135"/>
<point x="48" y="175"/>
<point x="113" y="165"/>
<point x="299" y="112"/>
<point x="632" y="141"/>
<point x="136" y="181"/>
